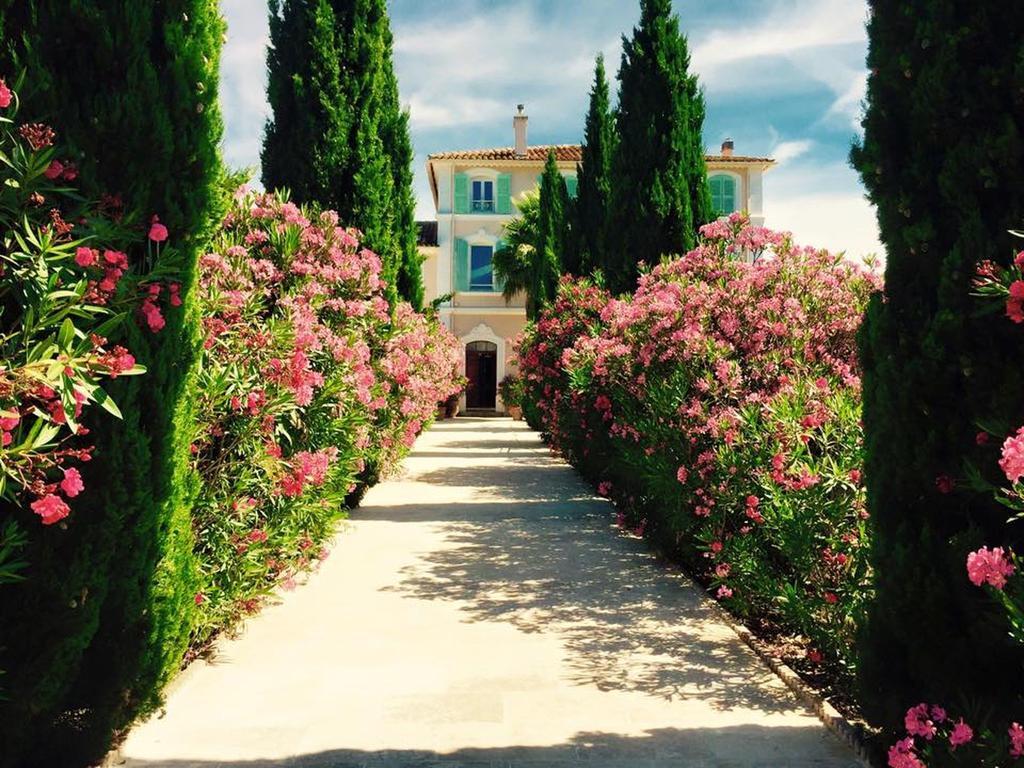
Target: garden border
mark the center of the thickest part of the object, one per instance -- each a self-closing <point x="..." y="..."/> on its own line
<point x="829" y="716"/>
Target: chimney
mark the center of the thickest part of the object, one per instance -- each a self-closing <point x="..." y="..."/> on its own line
<point x="727" y="147"/>
<point x="519" y="123"/>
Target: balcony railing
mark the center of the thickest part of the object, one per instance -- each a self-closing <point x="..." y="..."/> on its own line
<point x="483" y="206"/>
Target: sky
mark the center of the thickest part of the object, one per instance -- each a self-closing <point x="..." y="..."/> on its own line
<point x="784" y="78"/>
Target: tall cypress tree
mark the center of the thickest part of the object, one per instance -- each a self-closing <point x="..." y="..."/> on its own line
<point x="105" y="614"/>
<point x="659" y="198"/>
<point x="595" y="174"/>
<point x="942" y="158"/>
<point x="398" y="147"/>
<point x="338" y="135"/>
<point x="552" y="234"/>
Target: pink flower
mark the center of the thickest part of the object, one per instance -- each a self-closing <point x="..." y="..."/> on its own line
<point x="604" y="488"/>
<point x="5" y="95"/>
<point x="902" y="755"/>
<point x="855" y="476"/>
<point x="831" y="598"/>
<point x="1012" y="462"/>
<point x="945" y="483"/>
<point x="157" y="231"/>
<point x="152" y="315"/>
<point x="72" y="484"/>
<point x="199" y="599"/>
<point x="1016" y="740"/>
<point x="1015" y="302"/>
<point x="961" y="734"/>
<point x="51" y="508"/>
<point x="815" y="656"/>
<point x="989" y="566"/>
<point x="85" y="257"/>
<point x="54" y="171"/>
<point x="981" y="438"/>
<point x="682" y="475"/>
<point x="116" y="259"/>
<point x="723" y="592"/>
<point x="918" y="722"/>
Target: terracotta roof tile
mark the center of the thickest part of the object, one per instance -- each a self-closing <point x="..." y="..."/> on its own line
<point x="564" y="153"/>
<point x="737" y="159"/>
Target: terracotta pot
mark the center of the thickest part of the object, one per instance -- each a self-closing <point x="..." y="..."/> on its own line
<point x="515" y="412"/>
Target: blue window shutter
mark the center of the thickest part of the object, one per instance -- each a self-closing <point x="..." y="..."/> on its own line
<point x="504" y="201"/>
<point x="499" y="281"/>
<point x="572" y="185"/>
<point x="461" y="265"/>
<point x="461" y="193"/>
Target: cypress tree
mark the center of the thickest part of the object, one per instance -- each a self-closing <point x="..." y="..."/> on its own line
<point x="104" y="616"/>
<point x="398" y="147"/>
<point x="594" y="174"/>
<point x="338" y="135"/>
<point x="659" y="198"/>
<point x="552" y="235"/>
<point x="942" y="158"/>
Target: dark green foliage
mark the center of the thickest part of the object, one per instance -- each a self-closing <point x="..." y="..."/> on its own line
<point x="515" y="261"/>
<point x="104" y="616"/>
<point x="338" y="135"/>
<point x="552" y="235"/>
<point x="398" y="146"/>
<point x="594" y="175"/>
<point x="660" y="197"/>
<point x="942" y="159"/>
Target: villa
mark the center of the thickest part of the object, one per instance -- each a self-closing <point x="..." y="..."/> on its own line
<point x="474" y="193"/>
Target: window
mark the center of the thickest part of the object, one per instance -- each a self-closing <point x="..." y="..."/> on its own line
<point x="723" y="194"/>
<point x="481" y="274"/>
<point x="483" y="196"/>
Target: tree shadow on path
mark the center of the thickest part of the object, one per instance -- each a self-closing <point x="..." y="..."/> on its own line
<point x="529" y="544"/>
<point x="745" y="746"/>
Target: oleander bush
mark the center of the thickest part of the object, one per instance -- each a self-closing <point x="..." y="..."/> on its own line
<point x="78" y="284"/>
<point x="309" y="384"/>
<point x="719" y="406"/>
<point x="308" y="387"/>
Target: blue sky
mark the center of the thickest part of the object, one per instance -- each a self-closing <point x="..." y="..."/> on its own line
<point x="781" y="77"/>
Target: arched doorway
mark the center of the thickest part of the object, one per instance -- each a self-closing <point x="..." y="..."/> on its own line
<point x="482" y="372"/>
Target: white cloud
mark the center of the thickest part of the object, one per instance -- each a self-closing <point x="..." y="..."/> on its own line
<point x="823" y="206"/>
<point x="474" y="69"/>
<point x="815" y="40"/>
<point x="243" y="82"/>
<point x="848" y="105"/>
<point x="784" y="151"/>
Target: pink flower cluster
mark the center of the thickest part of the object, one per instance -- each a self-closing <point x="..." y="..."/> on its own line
<point x="309" y="383"/>
<point x="726" y="388"/>
<point x="930" y="730"/>
<point x="59" y="390"/>
<point x="989" y="566"/>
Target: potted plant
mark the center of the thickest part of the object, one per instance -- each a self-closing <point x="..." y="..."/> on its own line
<point x="511" y="389"/>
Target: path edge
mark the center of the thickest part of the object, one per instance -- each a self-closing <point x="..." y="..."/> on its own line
<point x="829" y="716"/>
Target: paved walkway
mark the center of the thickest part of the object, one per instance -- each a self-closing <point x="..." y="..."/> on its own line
<point x="482" y="611"/>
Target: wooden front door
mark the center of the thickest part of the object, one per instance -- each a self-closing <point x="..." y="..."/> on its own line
<point x="482" y="372"/>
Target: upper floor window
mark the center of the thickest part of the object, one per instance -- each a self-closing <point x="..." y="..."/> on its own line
<point x="483" y="196"/>
<point x="481" y="273"/>
<point x="723" y="194"/>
